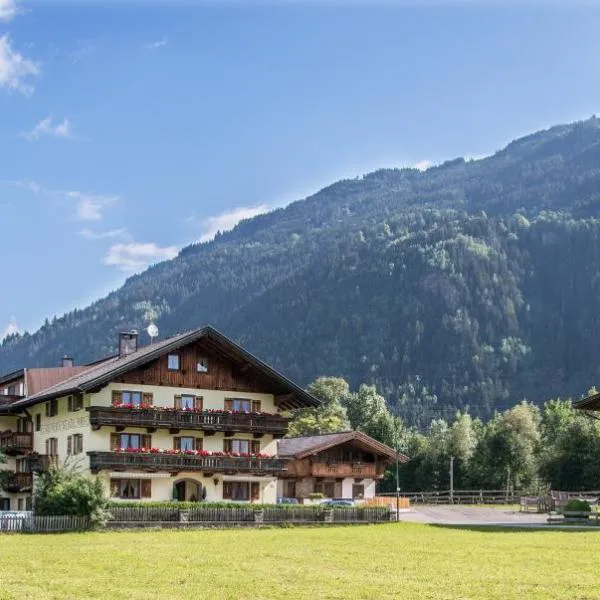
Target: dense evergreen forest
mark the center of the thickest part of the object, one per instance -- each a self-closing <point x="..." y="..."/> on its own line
<point x="470" y="286"/>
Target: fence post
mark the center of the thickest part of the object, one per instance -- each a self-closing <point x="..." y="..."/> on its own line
<point x="259" y="516"/>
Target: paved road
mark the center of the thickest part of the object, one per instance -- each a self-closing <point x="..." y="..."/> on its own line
<point x="472" y="515"/>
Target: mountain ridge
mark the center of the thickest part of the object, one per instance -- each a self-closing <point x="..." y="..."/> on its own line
<point x="436" y="285"/>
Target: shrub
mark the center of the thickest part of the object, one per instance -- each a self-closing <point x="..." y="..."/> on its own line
<point x="577" y="506"/>
<point x="62" y="490"/>
<point x="316" y="496"/>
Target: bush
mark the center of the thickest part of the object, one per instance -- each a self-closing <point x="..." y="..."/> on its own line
<point x="62" y="490"/>
<point x="316" y="496"/>
<point x="577" y="506"/>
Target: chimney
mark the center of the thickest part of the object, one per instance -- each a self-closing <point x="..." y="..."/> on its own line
<point x="128" y="342"/>
<point x="67" y="361"/>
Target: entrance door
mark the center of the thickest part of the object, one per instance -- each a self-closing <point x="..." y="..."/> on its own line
<point x="179" y="491"/>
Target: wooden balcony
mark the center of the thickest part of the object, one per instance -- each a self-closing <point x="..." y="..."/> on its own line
<point x="14" y="483"/>
<point x="13" y="443"/>
<point x="37" y="463"/>
<point x="174" y="463"/>
<point x="163" y="418"/>
<point x="347" y="469"/>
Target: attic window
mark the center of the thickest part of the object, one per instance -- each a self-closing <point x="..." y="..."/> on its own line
<point x="173" y="362"/>
<point x="202" y="365"/>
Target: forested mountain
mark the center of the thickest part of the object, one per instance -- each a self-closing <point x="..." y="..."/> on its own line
<point x="472" y="285"/>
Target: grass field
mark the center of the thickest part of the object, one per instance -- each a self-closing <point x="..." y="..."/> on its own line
<point x="406" y="561"/>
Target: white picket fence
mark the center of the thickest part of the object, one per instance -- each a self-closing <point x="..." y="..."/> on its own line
<point x="26" y="522"/>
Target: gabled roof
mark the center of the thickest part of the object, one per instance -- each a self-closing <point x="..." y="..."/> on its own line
<point x="103" y="372"/>
<point x="301" y="447"/>
<point x="590" y="403"/>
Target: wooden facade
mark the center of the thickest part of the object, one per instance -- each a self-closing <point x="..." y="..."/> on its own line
<point x="221" y="373"/>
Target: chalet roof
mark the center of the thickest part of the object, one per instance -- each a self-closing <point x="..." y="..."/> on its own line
<point x="590" y="403"/>
<point x="41" y="379"/>
<point x="301" y="447"/>
<point x="100" y="374"/>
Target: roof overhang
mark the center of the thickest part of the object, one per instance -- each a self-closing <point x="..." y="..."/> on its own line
<point x="288" y="395"/>
<point x="358" y="438"/>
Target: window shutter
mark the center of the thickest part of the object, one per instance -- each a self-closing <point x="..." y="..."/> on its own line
<point x="146" y="441"/>
<point x="146" y="485"/>
<point x="176" y="443"/>
<point x="227" y="490"/>
<point x="228" y="403"/>
<point x="255" y="490"/>
<point x="178" y="402"/>
<point x="117" y="397"/>
<point x="227" y="446"/>
<point x="70" y="404"/>
<point x="256" y="406"/>
<point x="255" y="447"/>
<point x="115" y="441"/>
<point x="147" y="398"/>
<point x="198" y="402"/>
<point x="70" y="444"/>
<point x="47" y="445"/>
<point x="47" y="409"/>
<point x="199" y="443"/>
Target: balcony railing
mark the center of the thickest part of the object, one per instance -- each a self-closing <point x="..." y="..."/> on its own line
<point x="176" y="462"/>
<point x="14" y="483"/>
<point x="181" y="419"/>
<point x="341" y="469"/>
<point x="13" y="443"/>
<point x="36" y="463"/>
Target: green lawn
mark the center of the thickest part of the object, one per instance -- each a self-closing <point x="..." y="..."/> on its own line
<point x="407" y="561"/>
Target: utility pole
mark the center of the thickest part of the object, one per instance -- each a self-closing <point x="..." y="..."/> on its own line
<point x="507" y="483"/>
<point x="452" y="480"/>
<point x="397" y="482"/>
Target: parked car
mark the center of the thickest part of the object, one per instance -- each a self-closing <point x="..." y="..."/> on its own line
<point x="287" y="500"/>
<point x="338" y="502"/>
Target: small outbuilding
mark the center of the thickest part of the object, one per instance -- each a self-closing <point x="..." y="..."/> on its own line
<point x="337" y="465"/>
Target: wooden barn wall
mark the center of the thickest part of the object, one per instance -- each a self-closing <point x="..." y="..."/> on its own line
<point x="222" y="373"/>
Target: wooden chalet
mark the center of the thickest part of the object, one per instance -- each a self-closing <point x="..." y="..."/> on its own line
<point x="338" y="465"/>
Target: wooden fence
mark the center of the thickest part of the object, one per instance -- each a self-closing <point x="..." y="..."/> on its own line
<point x="24" y="523"/>
<point x="211" y="515"/>
<point x="462" y="497"/>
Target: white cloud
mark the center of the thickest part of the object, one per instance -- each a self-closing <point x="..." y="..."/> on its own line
<point x="159" y="43"/>
<point x="15" y="70"/>
<point x="134" y="257"/>
<point x="8" y="9"/>
<point x="228" y="220"/>
<point x="47" y="127"/>
<point x="103" y="235"/>
<point x="11" y="328"/>
<point x="89" y="207"/>
<point x="32" y="186"/>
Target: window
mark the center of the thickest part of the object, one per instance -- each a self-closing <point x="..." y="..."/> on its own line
<point x="132" y="441"/>
<point x="75" y="444"/>
<point x="133" y="398"/>
<point x="24" y="425"/>
<point x="20" y="504"/>
<point x="358" y="491"/>
<point x="327" y="488"/>
<point x="52" y="447"/>
<point x="173" y="362"/>
<point x="243" y="405"/>
<point x="241" y="491"/>
<point x="187" y="443"/>
<point x="74" y="403"/>
<point x="201" y="365"/>
<point x="52" y="408"/>
<point x="241" y="446"/>
<point x="38" y="422"/>
<point x="131" y="488"/>
<point x="188" y="402"/>
<point x="289" y="489"/>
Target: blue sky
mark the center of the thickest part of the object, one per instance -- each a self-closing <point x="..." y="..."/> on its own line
<point x="130" y="129"/>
